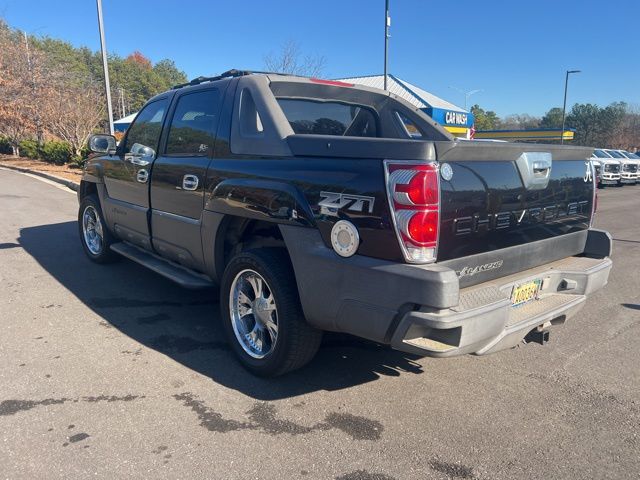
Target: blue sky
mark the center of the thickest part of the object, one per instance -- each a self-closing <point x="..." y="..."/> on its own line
<point x="516" y="51"/>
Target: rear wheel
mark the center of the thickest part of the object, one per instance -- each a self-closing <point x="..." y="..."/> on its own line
<point x="262" y="315"/>
<point x="94" y="234"/>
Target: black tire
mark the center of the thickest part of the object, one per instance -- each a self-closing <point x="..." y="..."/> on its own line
<point x="297" y="341"/>
<point x="105" y="254"/>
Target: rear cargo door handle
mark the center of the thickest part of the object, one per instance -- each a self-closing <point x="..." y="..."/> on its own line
<point x="541" y="168"/>
<point x="190" y="182"/>
<point x="535" y="169"/>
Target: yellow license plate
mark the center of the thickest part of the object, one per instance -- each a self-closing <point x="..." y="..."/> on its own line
<point x="525" y="292"/>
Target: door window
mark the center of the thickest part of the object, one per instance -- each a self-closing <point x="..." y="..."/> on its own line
<point x="192" y="130"/>
<point x="145" y="130"/>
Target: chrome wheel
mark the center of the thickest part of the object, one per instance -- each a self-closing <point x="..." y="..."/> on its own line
<point x="254" y="316"/>
<point x="92" y="230"/>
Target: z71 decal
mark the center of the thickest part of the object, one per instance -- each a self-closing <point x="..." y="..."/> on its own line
<point x="331" y="202"/>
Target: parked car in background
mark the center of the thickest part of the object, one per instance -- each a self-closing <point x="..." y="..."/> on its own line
<point x="628" y="167"/>
<point x="607" y="169"/>
<point x="632" y="156"/>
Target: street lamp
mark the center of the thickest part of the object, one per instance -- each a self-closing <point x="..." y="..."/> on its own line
<point x="387" y="24"/>
<point x="564" y="105"/>
<point x="466" y="94"/>
<point x="105" y="67"/>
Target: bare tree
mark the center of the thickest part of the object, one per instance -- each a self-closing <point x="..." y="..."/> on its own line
<point x="626" y="135"/>
<point x="73" y="110"/>
<point x="291" y="60"/>
<point x="18" y="100"/>
<point x="520" y="121"/>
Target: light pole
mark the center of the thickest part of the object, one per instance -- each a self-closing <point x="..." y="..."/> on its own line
<point x="387" y="24"/>
<point x="466" y="94"/>
<point x="122" y="109"/>
<point x="564" y="105"/>
<point x="105" y="66"/>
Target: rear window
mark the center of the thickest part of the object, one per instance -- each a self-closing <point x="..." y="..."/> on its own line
<point x="329" y="118"/>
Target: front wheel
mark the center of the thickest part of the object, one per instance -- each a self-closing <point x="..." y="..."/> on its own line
<point x="95" y="237"/>
<point x="262" y="315"/>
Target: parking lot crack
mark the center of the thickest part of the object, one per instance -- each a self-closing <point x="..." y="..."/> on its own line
<point x="11" y="407"/>
<point x="263" y="417"/>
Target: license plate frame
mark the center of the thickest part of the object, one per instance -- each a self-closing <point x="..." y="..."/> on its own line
<point x="525" y="292"/>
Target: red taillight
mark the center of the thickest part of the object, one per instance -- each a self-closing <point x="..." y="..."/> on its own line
<point x="423" y="227"/>
<point x="414" y="198"/>
<point x="421" y="189"/>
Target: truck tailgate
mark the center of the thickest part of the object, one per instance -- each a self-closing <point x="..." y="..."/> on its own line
<point x="509" y="207"/>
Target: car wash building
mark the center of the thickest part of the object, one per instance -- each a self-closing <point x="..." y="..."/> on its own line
<point x="456" y="120"/>
<point x="122" y="124"/>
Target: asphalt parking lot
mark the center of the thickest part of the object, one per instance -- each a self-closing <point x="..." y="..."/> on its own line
<point x="113" y="372"/>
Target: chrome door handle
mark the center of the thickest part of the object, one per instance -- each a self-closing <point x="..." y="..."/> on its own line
<point x="190" y="182"/>
<point x="137" y="161"/>
<point x="142" y="176"/>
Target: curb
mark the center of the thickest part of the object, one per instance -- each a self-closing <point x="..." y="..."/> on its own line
<point x="63" y="181"/>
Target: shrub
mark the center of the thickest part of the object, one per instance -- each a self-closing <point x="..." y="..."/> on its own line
<point x="29" y="148"/>
<point x="5" y="146"/>
<point x="56" y="152"/>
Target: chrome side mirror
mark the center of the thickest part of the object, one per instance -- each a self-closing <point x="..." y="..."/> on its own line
<point x="102" y="144"/>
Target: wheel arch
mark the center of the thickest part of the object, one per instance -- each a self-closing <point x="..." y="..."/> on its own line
<point x="237" y="234"/>
<point x="87" y="187"/>
<point x="244" y="213"/>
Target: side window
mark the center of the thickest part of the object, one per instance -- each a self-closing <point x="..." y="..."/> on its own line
<point x="408" y="126"/>
<point x="145" y="130"/>
<point x="192" y="130"/>
<point x="250" y="121"/>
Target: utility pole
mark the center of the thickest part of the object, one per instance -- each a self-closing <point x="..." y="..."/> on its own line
<point x="122" y="109"/>
<point x="564" y="105"/>
<point x="33" y="88"/>
<point x="105" y="66"/>
<point x="387" y="24"/>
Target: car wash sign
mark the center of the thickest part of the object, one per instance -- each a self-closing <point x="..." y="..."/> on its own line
<point x="455" y="118"/>
<point x="451" y="118"/>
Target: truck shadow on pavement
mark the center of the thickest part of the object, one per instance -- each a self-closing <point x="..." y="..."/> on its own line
<point x="184" y="325"/>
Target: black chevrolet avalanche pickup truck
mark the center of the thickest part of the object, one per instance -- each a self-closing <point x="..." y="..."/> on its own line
<point x="319" y="205"/>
